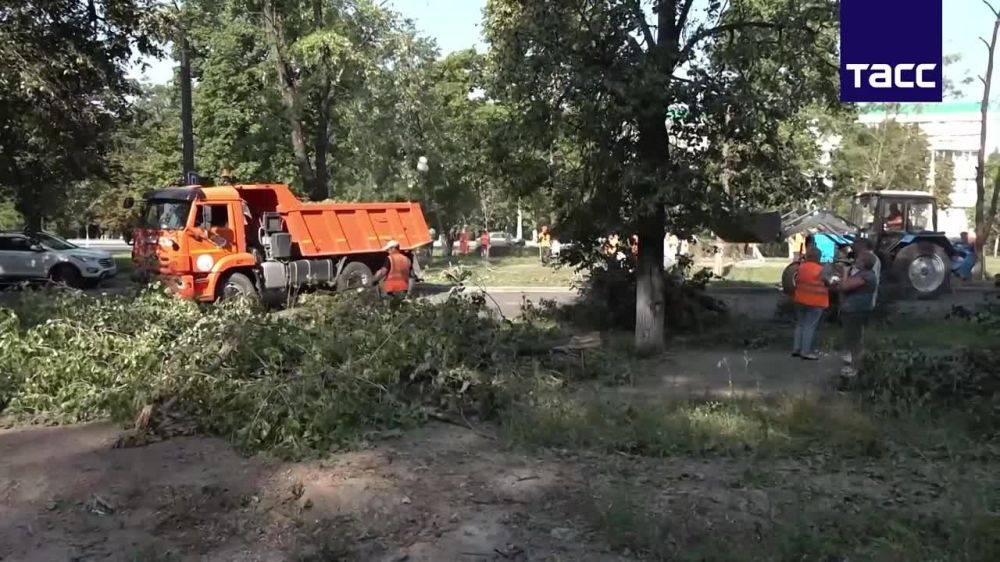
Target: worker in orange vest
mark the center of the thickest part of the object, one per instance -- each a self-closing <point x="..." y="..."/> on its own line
<point x="811" y="297"/>
<point x="397" y="271"/>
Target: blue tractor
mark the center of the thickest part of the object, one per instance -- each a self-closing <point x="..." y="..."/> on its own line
<point x="916" y="258"/>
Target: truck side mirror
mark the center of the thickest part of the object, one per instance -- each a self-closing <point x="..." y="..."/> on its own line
<point x="128" y="203"/>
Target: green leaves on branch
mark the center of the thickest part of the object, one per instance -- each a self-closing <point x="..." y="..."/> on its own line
<point x="297" y="382"/>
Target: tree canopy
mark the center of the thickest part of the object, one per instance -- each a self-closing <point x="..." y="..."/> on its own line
<point x="598" y="77"/>
<point x="63" y="88"/>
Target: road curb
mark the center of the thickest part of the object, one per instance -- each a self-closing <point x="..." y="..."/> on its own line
<point x="522" y="289"/>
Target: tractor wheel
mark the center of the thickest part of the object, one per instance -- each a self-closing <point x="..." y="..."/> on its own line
<point x="238" y="286"/>
<point x="66" y="274"/>
<point x="789" y="277"/>
<point x="355" y="275"/>
<point x="922" y="269"/>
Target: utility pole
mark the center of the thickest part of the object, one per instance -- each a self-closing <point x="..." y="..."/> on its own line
<point x="187" y="124"/>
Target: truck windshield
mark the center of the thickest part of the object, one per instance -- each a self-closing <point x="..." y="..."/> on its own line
<point x="164" y="214"/>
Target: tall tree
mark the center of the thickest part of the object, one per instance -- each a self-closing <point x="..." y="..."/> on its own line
<point x="603" y="73"/>
<point x="321" y="50"/>
<point x="238" y="119"/>
<point x="63" y="87"/>
<point x="943" y="183"/>
<point x="985" y="215"/>
<point x="886" y="155"/>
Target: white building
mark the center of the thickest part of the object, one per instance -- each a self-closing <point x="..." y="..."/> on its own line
<point x="951" y="128"/>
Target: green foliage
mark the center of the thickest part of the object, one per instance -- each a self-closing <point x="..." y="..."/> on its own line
<point x="607" y="294"/>
<point x="239" y="124"/>
<point x="916" y="380"/>
<point x="595" y="84"/>
<point x="888" y="155"/>
<point x="944" y="179"/>
<point x="9" y="217"/>
<point x="62" y="90"/>
<point x="297" y="382"/>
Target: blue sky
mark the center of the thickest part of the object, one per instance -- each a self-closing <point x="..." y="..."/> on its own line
<point x="457" y="24"/>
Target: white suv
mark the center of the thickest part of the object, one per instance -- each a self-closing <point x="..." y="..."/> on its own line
<point x="37" y="256"/>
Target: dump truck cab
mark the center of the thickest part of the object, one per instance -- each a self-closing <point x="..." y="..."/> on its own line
<point x="210" y="242"/>
<point x="189" y="236"/>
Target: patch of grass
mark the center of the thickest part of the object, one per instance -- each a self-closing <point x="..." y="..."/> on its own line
<point x="660" y="430"/>
<point x="621" y="518"/>
<point x="932" y="335"/>
<point x="767" y="273"/>
<point x="523" y="271"/>
<point x="630" y="520"/>
<point x="124" y="263"/>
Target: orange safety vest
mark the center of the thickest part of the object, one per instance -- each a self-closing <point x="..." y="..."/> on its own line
<point x="398" y="278"/>
<point x="809" y="287"/>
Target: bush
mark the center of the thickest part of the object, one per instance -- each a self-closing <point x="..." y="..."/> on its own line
<point x="607" y="296"/>
<point x="305" y="379"/>
<point x="906" y="379"/>
<point x="915" y="378"/>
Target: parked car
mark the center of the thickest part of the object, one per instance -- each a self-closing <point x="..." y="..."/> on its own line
<point x="498" y="239"/>
<point x="504" y="240"/>
<point x="44" y="256"/>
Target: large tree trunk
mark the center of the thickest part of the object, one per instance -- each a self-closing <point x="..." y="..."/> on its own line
<point x="290" y="96"/>
<point x="320" y="189"/>
<point x="187" y="117"/>
<point x="982" y="220"/>
<point x="650" y="307"/>
<point x="31" y="208"/>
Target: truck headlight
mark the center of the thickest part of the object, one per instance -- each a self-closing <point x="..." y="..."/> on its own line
<point x="204" y="262"/>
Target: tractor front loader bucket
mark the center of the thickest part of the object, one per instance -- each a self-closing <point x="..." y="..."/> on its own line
<point x="764" y="228"/>
<point x="746" y="228"/>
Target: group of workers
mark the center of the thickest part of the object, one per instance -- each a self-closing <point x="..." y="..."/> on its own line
<point x="858" y="289"/>
<point x="465" y="240"/>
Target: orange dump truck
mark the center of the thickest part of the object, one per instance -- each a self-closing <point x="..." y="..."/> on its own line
<point x="208" y="243"/>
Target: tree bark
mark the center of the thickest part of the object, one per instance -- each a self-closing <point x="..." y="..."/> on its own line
<point x="650" y="306"/>
<point x="654" y="146"/>
<point x="31" y="209"/>
<point x="320" y="189"/>
<point x="290" y="96"/>
<point x="982" y="221"/>
<point x="187" y="114"/>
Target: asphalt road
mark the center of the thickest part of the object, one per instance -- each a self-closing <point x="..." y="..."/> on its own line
<point x="755" y="303"/>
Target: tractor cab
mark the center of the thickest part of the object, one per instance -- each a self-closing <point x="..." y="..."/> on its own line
<point x="888" y="217"/>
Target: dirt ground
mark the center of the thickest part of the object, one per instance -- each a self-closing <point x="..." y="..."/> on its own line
<point x="438" y="493"/>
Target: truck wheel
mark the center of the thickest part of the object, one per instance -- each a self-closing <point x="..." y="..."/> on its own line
<point x="922" y="270"/>
<point x="238" y="285"/>
<point x="789" y="277"/>
<point x="355" y="275"/>
<point x="66" y="274"/>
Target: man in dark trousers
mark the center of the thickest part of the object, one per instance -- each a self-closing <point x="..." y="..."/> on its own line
<point x="859" y="289"/>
